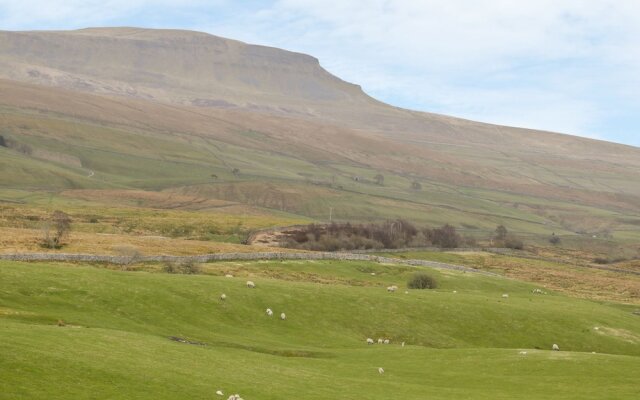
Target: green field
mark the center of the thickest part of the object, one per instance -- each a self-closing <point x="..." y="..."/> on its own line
<point x="115" y="339"/>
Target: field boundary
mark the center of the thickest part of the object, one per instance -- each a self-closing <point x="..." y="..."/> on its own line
<point x="338" y="256"/>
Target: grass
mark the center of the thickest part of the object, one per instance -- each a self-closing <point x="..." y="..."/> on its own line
<point x="304" y="185"/>
<point x="569" y="274"/>
<point x="459" y="345"/>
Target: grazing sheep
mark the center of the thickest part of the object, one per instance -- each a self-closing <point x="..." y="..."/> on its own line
<point x="219" y="393"/>
<point x="523" y="353"/>
<point x="455" y="291"/>
<point x="380" y="341"/>
<point x="505" y="296"/>
<point x="406" y="292"/>
<point x="555" y="347"/>
<point x="369" y="341"/>
<point x="380" y="370"/>
<point x="386" y="341"/>
<point x="373" y="274"/>
<point x="223" y="297"/>
<point x="269" y="312"/>
<point x="402" y="344"/>
<point x="596" y="328"/>
<point x="392" y="288"/>
<point x="251" y="285"/>
<point x="228" y="276"/>
<point x="538" y="291"/>
<point x="283" y="316"/>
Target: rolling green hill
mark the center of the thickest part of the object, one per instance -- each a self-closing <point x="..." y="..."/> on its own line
<point x="115" y="341"/>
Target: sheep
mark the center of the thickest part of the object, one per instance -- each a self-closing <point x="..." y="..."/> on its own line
<point x="373" y="274"/>
<point x="251" y="285"/>
<point x="223" y="297"/>
<point x="392" y="288"/>
<point x="523" y="353"/>
<point x="269" y="312"/>
<point x="402" y="344"/>
<point x="228" y="276"/>
<point x="283" y="316"/>
<point x="380" y="341"/>
<point x="219" y="393"/>
<point x="369" y="341"/>
<point x="555" y="347"/>
<point x="538" y="291"/>
<point x="386" y="341"/>
<point x="455" y="291"/>
<point x="505" y="296"/>
<point x="380" y="370"/>
<point x="406" y="292"/>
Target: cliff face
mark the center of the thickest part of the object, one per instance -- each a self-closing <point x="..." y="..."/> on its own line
<point x="174" y="66"/>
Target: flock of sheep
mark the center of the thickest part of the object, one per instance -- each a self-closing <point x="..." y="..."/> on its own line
<point x="370" y="341"/>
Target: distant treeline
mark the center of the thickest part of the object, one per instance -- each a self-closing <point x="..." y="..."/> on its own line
<point x="393" y="234"/>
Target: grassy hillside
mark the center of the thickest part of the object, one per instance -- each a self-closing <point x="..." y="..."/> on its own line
<point x="65" y="152"/>
<point x="464" y="344"/>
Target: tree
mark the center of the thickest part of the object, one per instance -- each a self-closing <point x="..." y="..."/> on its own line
<point x="235" y="172"/>
<point x="501" y="232"/>
<point x="56" y="230"/>
<point x="415" y="185"/>
<point x="554" y="239"/>
<point x="379" y="179"/>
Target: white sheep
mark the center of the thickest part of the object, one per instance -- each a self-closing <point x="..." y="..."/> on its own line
<point x="555" y="347"/>
<point x="380" y="341"/>
<point x="283" y="316"/>
<point x="228" y="276"/>
<point x="455" y="291"/>
<point x="402" y="344"/>
<point x="219" y="393"/>
<point x="369" y="341"/>
<point x="386" y="341"/>
<point x="251" y="285"/>
<point x="223" y="297"/>
<point x="380" y="370"/>
<point x="269" y="312"/>
<point x="392" y="288"/>
<point x="406" y="292"/>
<point x="373" y="274"/>
<point x="505" y="296"/>
<point x="523" y="353"/>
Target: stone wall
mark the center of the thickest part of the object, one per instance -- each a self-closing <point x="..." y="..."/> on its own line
<point x="340" y="256"/>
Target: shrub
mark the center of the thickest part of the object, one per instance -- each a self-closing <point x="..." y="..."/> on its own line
<point x="554" y="239"/>
<point x="421" y="280"/>
<point x="187" y="267"/>
<point x="512" y="242"/>
<point x="601" y="260"/>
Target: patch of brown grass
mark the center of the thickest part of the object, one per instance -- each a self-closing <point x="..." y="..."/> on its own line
<point x="16" y="240"/>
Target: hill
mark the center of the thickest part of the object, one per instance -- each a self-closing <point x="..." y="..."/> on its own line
<point x="192" y="114"/>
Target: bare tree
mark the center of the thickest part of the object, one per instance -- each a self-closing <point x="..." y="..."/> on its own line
<point x="379" y="179"/>
<point x="56" y="230"/>
<point x="501" y="232"/>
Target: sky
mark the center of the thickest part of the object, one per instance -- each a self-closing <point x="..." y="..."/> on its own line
<point x="570" y="66"/>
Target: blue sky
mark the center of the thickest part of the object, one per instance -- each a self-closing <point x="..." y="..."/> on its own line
<point x="570" y="66"/>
